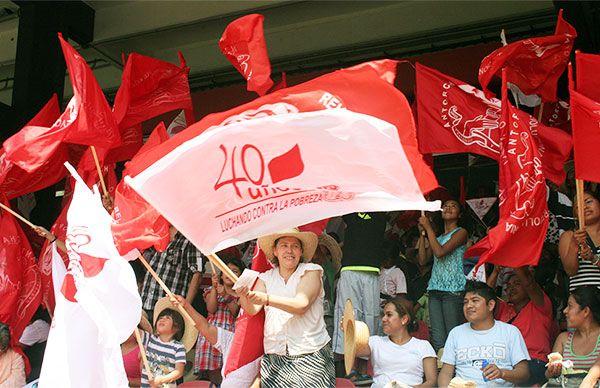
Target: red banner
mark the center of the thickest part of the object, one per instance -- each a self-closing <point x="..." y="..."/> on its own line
<point x="518" y="238"/>
<point x="585" y="116"/>
<point x="456" y="117"/>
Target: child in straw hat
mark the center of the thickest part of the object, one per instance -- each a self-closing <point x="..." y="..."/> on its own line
<point x="166" y="347"/>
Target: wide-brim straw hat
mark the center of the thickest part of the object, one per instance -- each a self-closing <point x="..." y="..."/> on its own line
<point x="309" y="242"/>
<point x="190" y="334"/>
<point x="334" y="250"/>
<point x="356" y="336"/>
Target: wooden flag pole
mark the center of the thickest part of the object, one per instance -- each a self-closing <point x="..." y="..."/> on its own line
<point x="143" y="353"/>
<point x="165" y="288"/>
<point x="99" y="170"/>
<point x="580" y="214"/>
<point x="216" y="260"/>
<point x="17" y="215"/>
<point x="541" y="111"/>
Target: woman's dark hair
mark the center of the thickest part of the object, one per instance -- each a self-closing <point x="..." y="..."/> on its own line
<point x="237" y="262"/>
<point x="177" y="321"/>
<point x="4" y="336"/>
<point x="588" y="296"/>
<point x="403" y="307"/>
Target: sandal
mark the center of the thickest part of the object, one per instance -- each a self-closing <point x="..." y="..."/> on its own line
<point x="353" y="375"/>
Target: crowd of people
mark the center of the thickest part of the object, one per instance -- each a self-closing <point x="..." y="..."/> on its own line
<point x="430" y="322"/>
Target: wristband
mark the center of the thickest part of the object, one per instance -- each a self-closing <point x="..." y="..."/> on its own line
<point x="53" y="240"/>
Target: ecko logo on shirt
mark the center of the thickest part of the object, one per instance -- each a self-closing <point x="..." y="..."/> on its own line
<point x="497" y="351"/>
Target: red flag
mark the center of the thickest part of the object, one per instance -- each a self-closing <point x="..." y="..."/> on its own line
<point x="92" y="122"/>
<point x="518" y="238"/>
<point x="35" y="143"/>
<point x="243" y="44"/>
<point x="588" y="68"/>
<point x="248" y="338"/>
<point x="344" y="88"/>
<point x="19" y="278"/>
<point x="280" y="85"/>
<point x="555" y="114"/>
<point x="59" y="229"/>
<point x="15" y="181"/>
<point x="534" y="64"/>
<point x="136" y="223"/>
<point x="585" y="116"/>
<point x="151" y="87"/>
<point x="456" y="117"/>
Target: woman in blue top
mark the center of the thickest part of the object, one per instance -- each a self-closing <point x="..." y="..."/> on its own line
<point x="447" y="277"/>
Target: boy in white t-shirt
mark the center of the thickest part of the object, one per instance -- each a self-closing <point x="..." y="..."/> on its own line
<point x="392" y="281"/>
<point x="220" y="339"/>
<point x="484" y="350"/>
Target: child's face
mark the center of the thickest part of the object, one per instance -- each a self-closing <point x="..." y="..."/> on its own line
<point x="235" y="270"/>
<point x="165" y="326"/>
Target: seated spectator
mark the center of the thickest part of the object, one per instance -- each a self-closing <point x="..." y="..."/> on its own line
<point x="581" y="345"/>
<point x="530" y="310"/>
<point x="12" y="366"/>
<point x="591" y="379"/>
<point x="397" y="356"/>
<point x="484" y="350"/>
<point x="33" y="341"/>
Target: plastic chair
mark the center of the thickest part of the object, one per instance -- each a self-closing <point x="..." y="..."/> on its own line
<point x="343" y="383"/>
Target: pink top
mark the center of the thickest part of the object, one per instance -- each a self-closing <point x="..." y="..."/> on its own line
<point x="131" y="361"/>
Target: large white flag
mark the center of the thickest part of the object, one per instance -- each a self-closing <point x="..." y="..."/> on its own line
<point x="97" y="302"/>
<point x="234" y="183"/>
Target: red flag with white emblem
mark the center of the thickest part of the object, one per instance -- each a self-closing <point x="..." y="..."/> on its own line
<point x="19" y="277"/>
<point x="456" y="117"/>
<point x="533" y="64"/>
<point x="518" y="238"/>
<point x="243" y="44"/>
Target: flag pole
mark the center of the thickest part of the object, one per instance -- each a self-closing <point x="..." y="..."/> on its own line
<point x="143" y="353"/>
<point x="540" y="112"/>
<point x="580" y="214"/>
<point x="17" y="215"/>
<point x="165" y="288"/>
<point x="216" y="260"/>
<point x="99" y="170"/>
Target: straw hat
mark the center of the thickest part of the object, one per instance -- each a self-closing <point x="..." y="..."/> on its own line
<point x="190" y="334"/>
<point x="356" y="336"/>
<point x="334" y="249"/>
<point x="308" y="239"/>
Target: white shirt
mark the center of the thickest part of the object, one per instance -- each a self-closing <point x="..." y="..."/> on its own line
<point x="241" y="377"/>
<point x="34" y="333"/>
<point x="392" y="281"/>
<point x="299" y="334"/>
<point x="400" y="363"/>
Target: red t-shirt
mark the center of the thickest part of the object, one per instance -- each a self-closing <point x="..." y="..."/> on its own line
<point x="535" y="324"/>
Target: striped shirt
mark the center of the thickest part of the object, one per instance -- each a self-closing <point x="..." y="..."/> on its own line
<point x="162" y="357"/>
<point x="581" y="362"/>
<point x="587" y="274"/>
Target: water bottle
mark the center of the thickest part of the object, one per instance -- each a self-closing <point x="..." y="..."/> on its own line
<point x="484" y="363"/>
